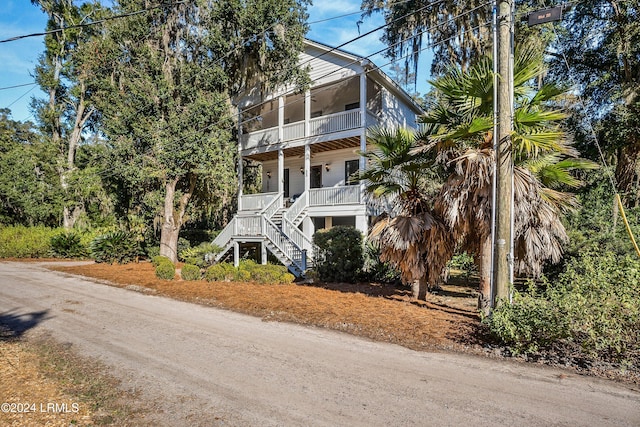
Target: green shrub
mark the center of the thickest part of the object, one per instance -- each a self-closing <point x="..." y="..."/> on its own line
<point x="68" y="245"/>
<point x="183" y="245"/>
<point x="26" y="242"/>
<point x="166" y="270"/>
<point x="115" y="246"/>
<point x="159" y="259"/>
<point x="339" y="254"/>
<point x="375" y="270"/>
<point x="200" y="255"/>
<point x="220" y="272"/>
<point x="271" y="274"/>
<point x="152" y="251"/>
<point x="190" y="272"/>
<point x="590" y="309"/>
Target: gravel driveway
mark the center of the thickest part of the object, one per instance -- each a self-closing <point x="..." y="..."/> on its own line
<point x="198" y="365"/>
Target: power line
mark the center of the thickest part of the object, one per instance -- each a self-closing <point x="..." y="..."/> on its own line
<point x="15" y="86"/>
<point x="88" y="24"/>
<point x="23" y="95"/>
<point x="429" y="46"/>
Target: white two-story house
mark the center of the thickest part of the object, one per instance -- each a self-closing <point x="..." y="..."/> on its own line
<point x="309" y="148"/>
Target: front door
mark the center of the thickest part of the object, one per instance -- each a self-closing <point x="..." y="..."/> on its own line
<point x="316" y="176"/>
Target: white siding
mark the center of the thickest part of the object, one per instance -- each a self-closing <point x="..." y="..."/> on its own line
<point x="395" y="112"/>
<point x="328" y="67"/>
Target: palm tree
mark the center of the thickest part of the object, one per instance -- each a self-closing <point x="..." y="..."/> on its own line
<point x="458" y="137"/>
<point x="410" y="237"/>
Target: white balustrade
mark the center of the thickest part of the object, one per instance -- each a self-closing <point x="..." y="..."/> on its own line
<point x="343" y="195"/>
<point x="259" y="138"/>
<point x="226" y="234"/>
<point x="335" y="122"/>
<point x="257" y="202"/>
<point x="297" y="207"/>
<point x="293" y="131"/>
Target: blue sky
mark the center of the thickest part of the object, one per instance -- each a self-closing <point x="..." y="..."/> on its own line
<point x="18" y="58"/>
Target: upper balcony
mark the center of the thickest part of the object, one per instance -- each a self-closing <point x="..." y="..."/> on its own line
<point x="322" y="114"/>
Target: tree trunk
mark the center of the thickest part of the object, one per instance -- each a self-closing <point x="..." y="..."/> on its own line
<point x="173" y="218"/>
<point x="626" y="170"/>
<point x="419" y="289"/>
<point x="483" y="261"/>
<point x="69" y="217"/>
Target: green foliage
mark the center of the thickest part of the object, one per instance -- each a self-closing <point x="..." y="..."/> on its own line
<point x="159" y="259"/>
<point x="26" y="242"/>
<point x="30" y="191"/>
<point x="190" y="272"/>
<point x="166" y="270"/>
<point x="153" y="251"/>
<point x="249" y="271"/>
<point x="116" y="246"/>
<point x="339" y="254"/>
<point x="591" y="309"/>
<point x="69" y="245"/>
<point x="375" y="270"/>
<point x="267" y="274"/>
<point x="199" y="255"/>
<point x="221" y="272"/>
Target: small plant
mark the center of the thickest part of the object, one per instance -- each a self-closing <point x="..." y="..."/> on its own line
<point x="190" y="272"/>
<point x="153" y="251"/>
<point x="68" y="245"/>
<point x="220" y="272"/>
<point x="159" y="259"/>
<point x="200" y="255"/>
<point x="166" y="270"/>
<point x="117" y="246"/>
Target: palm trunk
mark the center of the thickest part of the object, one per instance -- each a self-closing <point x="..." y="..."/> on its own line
<point x="419" y="289"/>
<point x="483" y="261"/>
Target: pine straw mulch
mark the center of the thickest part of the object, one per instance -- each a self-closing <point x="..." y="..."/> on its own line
<point x="446" y="321"/>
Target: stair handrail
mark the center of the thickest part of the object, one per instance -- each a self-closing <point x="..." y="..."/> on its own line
<point x="301" y="203"/>
<point x="289" y="229"/>
<point x="272" y="207"/>
<point x="226" y="234"/>
<point x="276" y="237"/>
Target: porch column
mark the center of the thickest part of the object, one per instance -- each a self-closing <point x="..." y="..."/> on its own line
<point x="280" y="118"/>
<point x="263" y="253"/>
<point x="307" y="112"/>
<point x="363" y="129"/>
<point x="240" y="171"/>
<point x="236" y="254"/>
<point x="361" y="224"/>
<point x="280" y="171"/>
<point x="308" y="228"/>
<point x="307" y="167"/>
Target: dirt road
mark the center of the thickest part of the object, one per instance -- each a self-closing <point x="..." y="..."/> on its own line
<point x="197" y="365"/>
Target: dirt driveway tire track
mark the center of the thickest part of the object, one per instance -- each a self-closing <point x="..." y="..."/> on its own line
<point x="198" y="365"/>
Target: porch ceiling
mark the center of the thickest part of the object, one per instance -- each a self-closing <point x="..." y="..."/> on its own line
<point x="319" y="147"/>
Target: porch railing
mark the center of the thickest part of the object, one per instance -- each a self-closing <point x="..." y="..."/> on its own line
<point x="343" y="195"/>
<point x="335" y="122"/>
<point x="260" y="138"/>
<point x="257" y="202"/>
<point x="293" y="131"/>
<point x="330" y="123"/>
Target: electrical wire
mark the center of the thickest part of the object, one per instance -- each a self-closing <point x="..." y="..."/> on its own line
<point x="89" y="24"/>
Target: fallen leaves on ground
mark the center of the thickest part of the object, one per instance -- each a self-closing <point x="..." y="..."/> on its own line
<point x="446" y="321"/>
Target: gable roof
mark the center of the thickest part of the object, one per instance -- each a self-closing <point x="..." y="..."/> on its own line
<point x="370" y="68"/>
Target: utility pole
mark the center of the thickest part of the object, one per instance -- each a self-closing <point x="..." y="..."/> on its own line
<point x="503" y="246"/>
